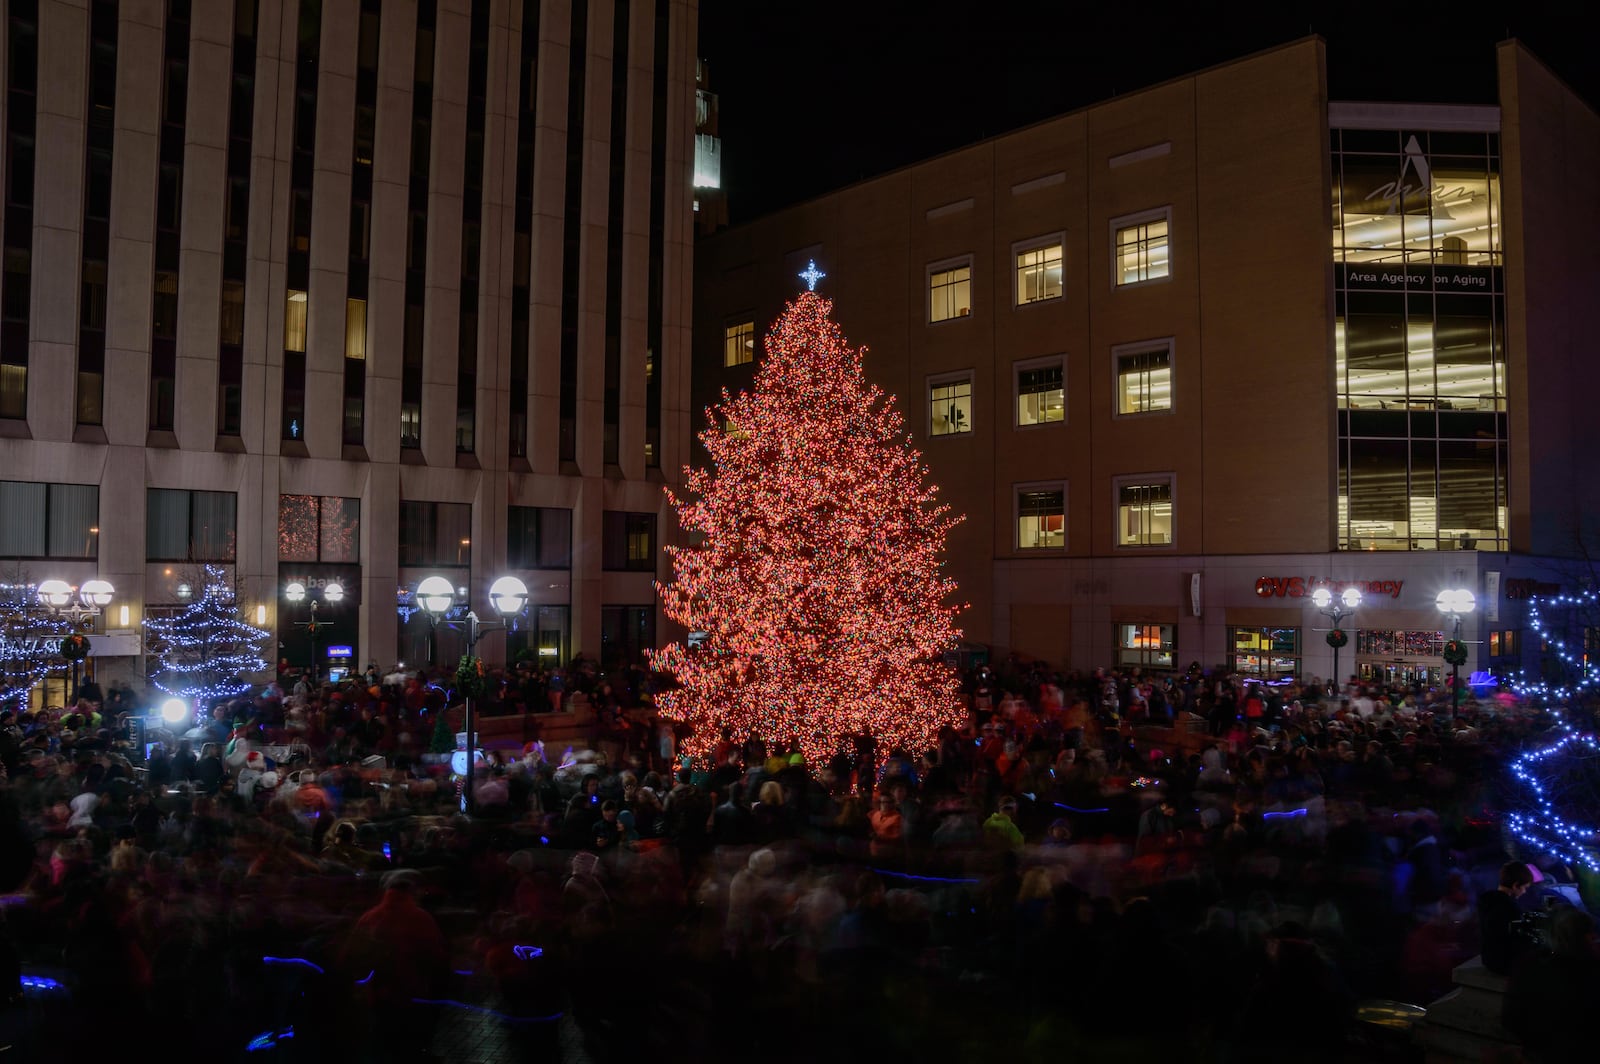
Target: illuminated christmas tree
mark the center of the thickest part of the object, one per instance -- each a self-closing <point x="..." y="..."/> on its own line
<point x="30" y="641"/>
<point x="202" y="653"/>
<point x="813" y="582"/>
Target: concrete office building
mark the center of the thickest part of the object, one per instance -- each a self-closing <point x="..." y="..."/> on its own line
<point x="347" y="292"/>
<point x="1183" y="356"/>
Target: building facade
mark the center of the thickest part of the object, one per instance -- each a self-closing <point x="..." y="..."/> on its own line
<point x="351" y="293"/>
<point x="1187" y="355"/>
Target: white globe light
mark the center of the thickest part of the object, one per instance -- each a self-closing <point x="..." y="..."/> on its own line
<point x="1445" y="600"/>
<point x="333" y="592"/>
<point x="295" y="592"/>
<point x="1321" y="596"/>
<point x="55" y="593"/>
<point x="1466" y="601"/>
<point x="174" y="711"/>
<point x="508" y="595"/>
<point x="1351" y="597"/>
<point x="435" y="595"/>
<point x="96" y="593"/>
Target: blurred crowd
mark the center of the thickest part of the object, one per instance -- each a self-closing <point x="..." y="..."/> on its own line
<point x="1098" y="862"/>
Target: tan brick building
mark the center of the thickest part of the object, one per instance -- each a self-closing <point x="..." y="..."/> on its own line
<point x="1182" y="356"/>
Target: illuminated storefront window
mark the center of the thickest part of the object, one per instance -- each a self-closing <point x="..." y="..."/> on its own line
<point x="1267" y="653"/>
<point x="1153" y="646"/>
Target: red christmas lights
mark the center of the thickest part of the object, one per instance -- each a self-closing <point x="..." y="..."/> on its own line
<point x="814" y="567"/>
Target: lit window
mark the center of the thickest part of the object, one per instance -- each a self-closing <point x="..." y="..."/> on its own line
<point x="949" y="292"/>
<point x="294" y="321"/>
<point x="1144" y="512"/>
<point x="1040" y="392"/>
<point x="355" y="328"/>
<point x="950" y="406"/>
<point x="1039" y="273"/>
<point x="1148" y="645"/>
<point x="739" y="344"/>
<point x="1267" y="653"/>
<point x="1042" y="517"/>
<point x="1144" y="378"/>
<point x="1141" y="247"/>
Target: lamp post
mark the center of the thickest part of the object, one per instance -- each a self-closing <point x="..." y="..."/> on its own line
<point x="1453" y="603"/>
<point x="332" y="594"/>
<point x="1336" y="609"/>
<point x="75" y="605"/>
<point x="508" y="595"/>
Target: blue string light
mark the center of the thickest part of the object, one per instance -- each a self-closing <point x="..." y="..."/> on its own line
<point x="1075" y="809"/>
<point x="203" y="651"/>
<point x="294" y="961"/>
<point x="1588" y="673"/>
<point x="1541" y="827"/>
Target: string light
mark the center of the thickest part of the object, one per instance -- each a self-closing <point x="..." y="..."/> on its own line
<point x="30" y="642"/>
<point x="1547" y="778"/>
<point x="202" y="652"/>
<point x="1587" y="674"/>
<point x="815" y="567"/>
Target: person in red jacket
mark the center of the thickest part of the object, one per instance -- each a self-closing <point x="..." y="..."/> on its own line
<point x="398" y="957"/>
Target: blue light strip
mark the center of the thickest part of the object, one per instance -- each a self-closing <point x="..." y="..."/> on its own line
<point x="923" y="879"/>
<point x="1075" y="809"/>
<point x="294" y="960"/>
<point x="1542" y="828"/>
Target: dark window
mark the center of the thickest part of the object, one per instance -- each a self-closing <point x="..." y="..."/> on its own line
<point x="572" y="233"/>
<point x="49" y="520"/>
<point x="629" y="541"/>
<point x="626" y="632"/>
<point x="539" y="537"/>
<point x="435" y="534"/>
<point x="194" y="526"/>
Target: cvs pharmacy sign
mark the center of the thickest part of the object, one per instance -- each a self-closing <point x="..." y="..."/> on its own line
<point x="1305" y="586"/>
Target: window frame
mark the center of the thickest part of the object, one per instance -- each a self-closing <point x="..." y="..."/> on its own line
<point x="1267" y="675"/>
<point x="1140" y="347"/>
<point x="1021" y="366"/>
<point x="1016" y="515"/>
<point x="1148" y="659"/>
<point x="945" y="266"/>
<point x="1047" y="240"/>
<point x="937" y="380"/>
<point x="1129" y="221"/>
<point x="1117" y="484"/>
<point x="47" y="513"/>
<point x="192" y="557"/>
<point x="622" y="538"/>
<point x="729" y="332"/>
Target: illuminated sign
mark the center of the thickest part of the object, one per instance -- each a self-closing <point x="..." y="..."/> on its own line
<point x="340" y="650"/>
<point x="1304" y="586"/>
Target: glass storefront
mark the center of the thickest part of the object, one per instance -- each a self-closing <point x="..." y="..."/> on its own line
<point x="1400" y="658"/>
<point x="1419" y="341"/>
<point x="1266" y="653"/>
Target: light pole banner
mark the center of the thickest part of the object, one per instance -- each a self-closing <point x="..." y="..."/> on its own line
<point x="1491" y="596"/>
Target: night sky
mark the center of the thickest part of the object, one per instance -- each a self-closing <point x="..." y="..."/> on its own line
<point x="819" y="95"/>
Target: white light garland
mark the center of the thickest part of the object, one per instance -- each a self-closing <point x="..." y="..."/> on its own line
<point x="203" y="651"/>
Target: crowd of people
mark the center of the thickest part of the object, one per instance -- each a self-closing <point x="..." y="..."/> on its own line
<point x="1120" y="865"/>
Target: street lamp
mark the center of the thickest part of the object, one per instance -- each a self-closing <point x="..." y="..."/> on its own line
<point x="332" y="594"/>
<point x="1453" y="603"/>
<point x="1336" y="609"/>
<point x="508" y="595"/>
<point x="89" y="601"/>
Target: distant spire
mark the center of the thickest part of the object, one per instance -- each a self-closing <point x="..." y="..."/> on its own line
<point x="811" y="275"/>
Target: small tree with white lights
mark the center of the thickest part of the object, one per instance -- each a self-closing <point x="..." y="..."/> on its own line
<point x="203" y="653"/>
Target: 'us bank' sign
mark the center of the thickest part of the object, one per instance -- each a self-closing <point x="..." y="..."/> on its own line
<point x="1304" y="586"/>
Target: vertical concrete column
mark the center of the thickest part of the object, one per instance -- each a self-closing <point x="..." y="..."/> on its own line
<point x="330" y="230"/>
<point x="205" y="190"/>
<point x="57" y="217"/>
